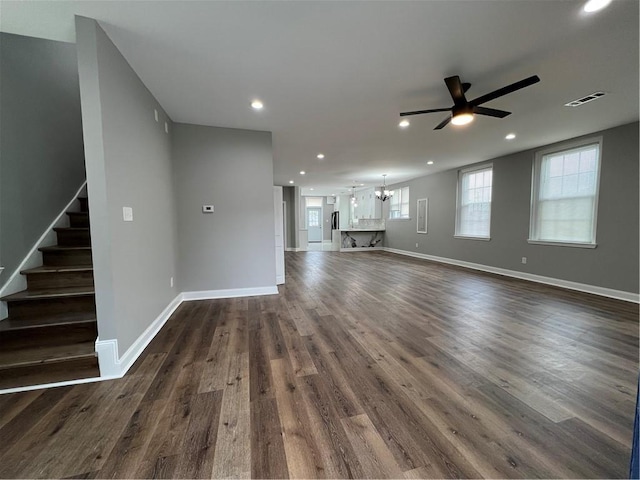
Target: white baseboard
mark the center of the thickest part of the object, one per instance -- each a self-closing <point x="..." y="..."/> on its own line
<point x="556" y="282"/>
<point x="361" y="249"/>
<point x="229" y="293"/>
<point x="108" y="358"/>
<point x="112" y="365"/>
<point x="54" y="385"/>
<point x="291" y="249"/>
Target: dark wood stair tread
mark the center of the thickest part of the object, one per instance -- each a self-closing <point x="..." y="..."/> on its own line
<point x="45" y="355"/>
<point x="59" y="248"/>
<point x="51" y="330"/>
<point x="49" y="293"/>
<point x="58" y="269"/>
<point x="68" y="318"/>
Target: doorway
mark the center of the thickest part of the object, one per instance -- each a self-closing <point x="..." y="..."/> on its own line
<point x="314" y="224"/>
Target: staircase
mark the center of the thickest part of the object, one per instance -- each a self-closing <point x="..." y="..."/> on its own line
<point x="51" y="330"/>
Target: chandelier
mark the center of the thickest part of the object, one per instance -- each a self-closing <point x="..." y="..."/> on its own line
<point x="382" y="192"/>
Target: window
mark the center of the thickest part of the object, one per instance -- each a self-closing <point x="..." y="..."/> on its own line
<point x="564" y="196"/>
<point x="473" y="215"/>
<point x="313" y="216"/>
<point x="399" y="206"/>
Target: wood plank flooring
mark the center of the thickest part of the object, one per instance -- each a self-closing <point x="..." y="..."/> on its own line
<point x="366" y="365"/>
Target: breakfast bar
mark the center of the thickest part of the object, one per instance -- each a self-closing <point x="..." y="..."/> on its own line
<point x="357" y="239"/>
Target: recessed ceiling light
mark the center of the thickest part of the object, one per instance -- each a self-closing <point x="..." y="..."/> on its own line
<point x="320" y="156"/>
<point x="404" y="123"/>
<point x="290" y="181"/>
<point x="595" y="5"/>
<point x="362" y="184"/>
<point x="510" y="136"/>
<point x="430" y="162"/>
<point x="311" y="188"/>
<point x="302" y="172"/>
<point x="257" y="105"/>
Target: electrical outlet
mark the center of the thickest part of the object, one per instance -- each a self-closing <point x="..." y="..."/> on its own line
<point x="416" y="245"/>
<point x="524" y="260"/>
<point x="171" y="282"/>
<point x="166" y="127"/>
<point x="207" y="208"/>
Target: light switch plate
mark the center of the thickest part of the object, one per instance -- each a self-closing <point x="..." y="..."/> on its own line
<point x="166" y="127"/>
<point x="127" y="214"/>
<point x="207" y="208"/>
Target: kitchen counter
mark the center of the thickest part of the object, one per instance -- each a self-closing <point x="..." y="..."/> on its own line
<point x="357" y="239"/>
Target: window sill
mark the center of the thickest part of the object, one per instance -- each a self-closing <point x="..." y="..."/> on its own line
<point x="563" y="244"/>
<point x="467" y="237"/>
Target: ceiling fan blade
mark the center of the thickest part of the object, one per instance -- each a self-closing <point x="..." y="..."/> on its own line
<point x="443" y="123"/>
<point x="420" y="112"/>
<point x="466" y="86"/>
<point x="505" y="90"/>
<point x="456" y="89"/>
<point x="491" y="112"/>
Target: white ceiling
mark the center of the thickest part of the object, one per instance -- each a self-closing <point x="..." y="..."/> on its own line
<point x="334" y="75"/>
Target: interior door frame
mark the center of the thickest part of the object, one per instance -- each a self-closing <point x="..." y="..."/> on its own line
<point x="285" y="224"/>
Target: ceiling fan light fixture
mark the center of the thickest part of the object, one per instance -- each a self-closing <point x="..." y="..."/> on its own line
<point x="462" y="118"/>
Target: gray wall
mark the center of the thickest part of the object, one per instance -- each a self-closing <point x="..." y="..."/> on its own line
<point x="41" y="151"/>
<point x="234" y="247"/>
<point x="128" y="162"/>
<point x="613" y="264"/>
<point x="288" y="195"/>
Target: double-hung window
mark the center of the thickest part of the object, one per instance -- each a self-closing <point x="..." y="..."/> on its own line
<point x="564" y="197"/>
<point x="473" y="214"/>
<point x="399" y="204"/>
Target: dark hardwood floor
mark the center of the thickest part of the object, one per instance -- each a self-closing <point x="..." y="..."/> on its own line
<point x="365" y="365"/>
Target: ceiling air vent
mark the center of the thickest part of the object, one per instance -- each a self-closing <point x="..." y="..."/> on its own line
<point x="583" y="100"/>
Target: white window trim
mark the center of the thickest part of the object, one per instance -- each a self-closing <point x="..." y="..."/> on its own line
<point x="535" y="184"/>
<point x="563" y="244"/>
<point x="408" y="217"/>
<point x="469" y="237"/>
<point x="462" y="171"/>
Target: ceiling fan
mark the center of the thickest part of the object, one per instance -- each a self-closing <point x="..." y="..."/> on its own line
<point x="463" y="110"/>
